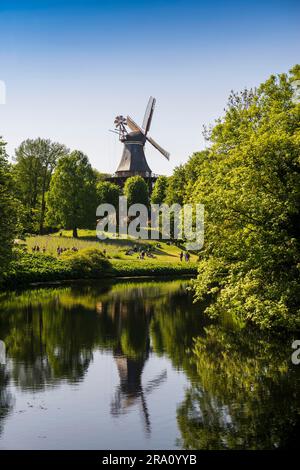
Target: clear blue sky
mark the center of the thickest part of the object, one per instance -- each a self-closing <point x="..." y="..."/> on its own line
<point x="71" y="66"/>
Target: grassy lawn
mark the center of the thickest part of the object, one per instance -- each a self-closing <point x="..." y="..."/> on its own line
<point x="115" y="247"/>
<point x="90" y="261"/>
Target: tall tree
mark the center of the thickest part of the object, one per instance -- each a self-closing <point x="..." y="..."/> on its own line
<point x="8" y="211"/>
<point x="136" y="191"/>
<point x="35" y="162"/>
<point x="176" y="186"/>
<point x="108" y="193"/>
<point x="159" y="192"/>
<point x="249" y="183"/>
<point x="72" y="196"/>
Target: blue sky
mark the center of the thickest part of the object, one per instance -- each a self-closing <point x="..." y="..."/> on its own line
<point x="71" y="66"/>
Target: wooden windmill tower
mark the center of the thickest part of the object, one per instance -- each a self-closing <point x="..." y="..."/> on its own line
<point x="133" y="161"/>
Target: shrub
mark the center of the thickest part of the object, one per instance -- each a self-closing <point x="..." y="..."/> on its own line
<point x="151" y="268"/>
<point x="87" y="263"/>
<point x="38" y="267"/>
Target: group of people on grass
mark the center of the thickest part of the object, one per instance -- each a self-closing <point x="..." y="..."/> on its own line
<point x="61" y="250"/>
<point x="142" y="253"/>
<point x="37" y="248"/>
<point x="185" y="255"/>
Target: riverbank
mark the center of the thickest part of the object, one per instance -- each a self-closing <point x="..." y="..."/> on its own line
<point x="32" y="268"/>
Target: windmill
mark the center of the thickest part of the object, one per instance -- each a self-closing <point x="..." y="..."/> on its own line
<point x="133" y="161"/>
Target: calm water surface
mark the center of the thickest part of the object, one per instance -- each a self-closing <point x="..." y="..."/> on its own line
<point x="115" y="366"/>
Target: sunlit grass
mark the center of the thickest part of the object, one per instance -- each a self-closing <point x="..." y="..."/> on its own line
<point x="114" y="247"/>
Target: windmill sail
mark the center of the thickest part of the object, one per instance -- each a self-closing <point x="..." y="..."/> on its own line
<point x="133" y="125"/>
<point x="158" y="147"/>
<point x="148" y="114"/>
<point x="136" y="128"/>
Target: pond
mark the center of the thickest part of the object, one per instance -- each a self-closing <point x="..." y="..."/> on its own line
<point x="137" y="365"/>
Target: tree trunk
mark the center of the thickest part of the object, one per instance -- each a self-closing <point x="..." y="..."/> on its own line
<point x="75" y="233"/>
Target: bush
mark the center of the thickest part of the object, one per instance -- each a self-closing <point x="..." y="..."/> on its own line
<point x="35" y="267"/>
<point x="151" y="268"/>
<point x="87" y="263"/>
<point x="38" y="267"/>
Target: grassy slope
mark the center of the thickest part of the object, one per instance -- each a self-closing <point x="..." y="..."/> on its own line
<point x="40" y="267"/>
<point x="115" y="247"/>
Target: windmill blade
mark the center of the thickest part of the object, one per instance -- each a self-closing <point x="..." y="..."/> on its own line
<point x="136" y="128"/>
<point x="148" y="114"/>
<point x="158" y="147"/>
<point x="133" y="125"/>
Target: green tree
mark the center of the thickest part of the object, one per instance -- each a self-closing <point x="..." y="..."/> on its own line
<point x="249" y="182"/>
<point x="35" y="163"/>
<point x="100" y="176"/>
<point x="159" y="192"/>
<point x="176" y="186"/>
<point x="183" y="178"/>
<point x="136" y="191"/>
<point x="72" y="195"/>
<point x="8" y="211"/>
<point x="108" y="193"/>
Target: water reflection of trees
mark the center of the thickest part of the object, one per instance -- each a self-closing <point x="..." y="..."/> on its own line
<point x="6" y="397"/>
<point x="51" y="335"/>
<point x="243" y="390"/>
<point x="244" y="395"/>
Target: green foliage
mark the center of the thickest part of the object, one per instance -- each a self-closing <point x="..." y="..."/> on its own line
<point x="35" y="267"/>
<point x="183" y="178"/>
<point x="108" y="193"/>
<point x="72" y="195"/>
<point x="86" y="263"/>
<point x="151" y="268"/>
<point x="8" y="212"/>
<point x="38" y="267"/>
<point x="35" y="163"/>
<point x="249" y="182"/>
<point x="100" y="176"/>
<point x="159" y="192"/>
<point x="136" y="191"/>
<point x="176" y="186"/>
<point x="233" y="402"/>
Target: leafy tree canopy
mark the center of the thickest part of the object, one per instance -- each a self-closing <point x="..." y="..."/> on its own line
<point x="72" y="195"/>
<point x="108" y="193"/>
<point x="8" y="211"/>
<point x="249" y="182"/>
<point x="35" y="162"/>
<point x="159" y="192"/>
<point x="136" y="191"/>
